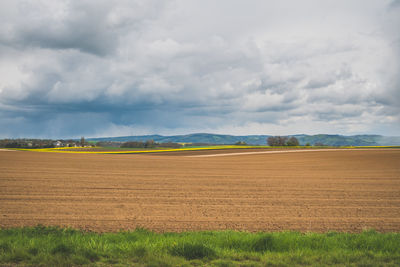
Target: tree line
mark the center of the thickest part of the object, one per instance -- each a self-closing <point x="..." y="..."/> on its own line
<point x="149" y="144"/>
<point x="41" y="143"/>
<point x="282" y="141"/>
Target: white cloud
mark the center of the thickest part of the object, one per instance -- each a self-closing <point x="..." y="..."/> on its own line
<point x="263" y="67"/>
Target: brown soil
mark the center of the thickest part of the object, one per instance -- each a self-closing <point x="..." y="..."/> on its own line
<point x="347" y="190"/>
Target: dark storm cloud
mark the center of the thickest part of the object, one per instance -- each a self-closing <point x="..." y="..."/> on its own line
<point x="132" y="67"/>
<point x="89" y="26"/>
<point x="79" y="27"/>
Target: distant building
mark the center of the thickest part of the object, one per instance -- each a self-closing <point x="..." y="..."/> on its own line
<point x="58" y="143"/>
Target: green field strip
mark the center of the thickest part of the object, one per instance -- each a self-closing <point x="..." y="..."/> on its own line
<point x="54" y="246"/>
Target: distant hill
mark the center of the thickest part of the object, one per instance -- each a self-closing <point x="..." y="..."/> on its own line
<point x="331" y="140"/>
<point x="354" y="140"/>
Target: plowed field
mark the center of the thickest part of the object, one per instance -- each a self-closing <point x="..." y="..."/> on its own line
<point x="347" y="190"/>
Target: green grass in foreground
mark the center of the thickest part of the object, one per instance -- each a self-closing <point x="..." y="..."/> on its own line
<point x="53" y="246"/>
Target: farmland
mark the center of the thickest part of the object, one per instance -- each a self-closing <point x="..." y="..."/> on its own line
<point x="343" y="190"/>
<point x="275" y="207"/>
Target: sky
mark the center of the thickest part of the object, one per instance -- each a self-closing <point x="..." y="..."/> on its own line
<point x="134" y="67"/>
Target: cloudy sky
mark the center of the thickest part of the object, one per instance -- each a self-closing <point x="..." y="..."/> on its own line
<point x="132" y="67"/>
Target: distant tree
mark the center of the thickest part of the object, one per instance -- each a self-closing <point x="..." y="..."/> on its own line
<point x="277" y="140"/>
<point x="27" y="143"/>
<point x="82" y="141"/>
<point x="282" y="140"/>
<point x="150" y="144"/>
<point x="308" y="144"/>
<point x="240" y="143"/>
<point x="292" y="141"/>
<point x="271" y="141"/>
<point x="13" y="145"/>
